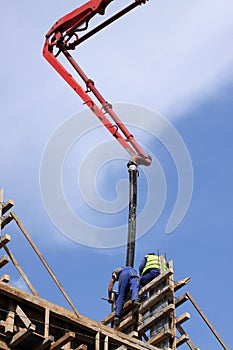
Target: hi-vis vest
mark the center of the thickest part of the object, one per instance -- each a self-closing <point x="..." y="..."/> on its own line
<point x="153" y="262"/>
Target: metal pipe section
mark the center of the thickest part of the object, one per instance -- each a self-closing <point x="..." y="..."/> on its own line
<point x="133" y="174"/>
<point x="107" y="22"/>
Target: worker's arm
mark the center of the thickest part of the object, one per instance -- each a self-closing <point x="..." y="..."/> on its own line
<point x="110" y="287"/>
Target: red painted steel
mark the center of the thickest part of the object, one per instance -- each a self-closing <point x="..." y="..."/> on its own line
<point x="64" y="36"/>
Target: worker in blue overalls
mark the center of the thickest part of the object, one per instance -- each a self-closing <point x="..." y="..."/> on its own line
<point x="128" y="280"/>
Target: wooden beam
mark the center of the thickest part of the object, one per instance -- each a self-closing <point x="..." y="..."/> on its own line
<point x="27" y="323"/>
<point x="180" y="300"/>
<point x="133" y="334"/>
<point x="46" y="322"/>
<point x="146" y="305"/>
<point x="155" y="282"/>
<point x="4" y="240"/>
<point x="97" y="341"/>
<point x="155" y="318"/>
<point x="5" y="278"/>
<point x="125" y="323"/>
<point x="207" y="322"/>
<point x="3" y="346"/>
<point x="6" y="220"/>
<point x="4" y="260"/>
<point x="160" y="336"/>
<point x="3" y="325"/>
<point x="63" y="340"/>
<point x="181" y="340"/>
<point x="44" y="262"/>
<point x="181" y="283"/>
<point x="18" y="267"/>
<point x="68" y="316"/>
<point x="7" y="206"/>
<point x="189" y="342"/>
<point x="182" y="318"/>
<point x="106" y="343"/>
<point x="10" y="320"/>
<point x="20" y="336"/>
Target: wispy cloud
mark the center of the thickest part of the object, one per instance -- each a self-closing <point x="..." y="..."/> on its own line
<point x="166" y="55"/>
<point x="170" y="55"/>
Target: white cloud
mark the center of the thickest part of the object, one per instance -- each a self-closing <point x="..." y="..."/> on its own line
<point x="165" y="55"/>
<point x="20" y="283"/>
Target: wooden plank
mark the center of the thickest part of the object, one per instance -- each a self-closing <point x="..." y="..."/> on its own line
<point x="106" y="343"/>
<point x="180" y="300"/>
<point x="181" y="283"/>
<point x="160" y="336"/>
<point x="189" y="342"/>
<point x="4" y="240"/>
<point x="5" y="278"/>
<point x="10" y="320"/>
<point x="182" y="318"/>
<point x="4" y="346"/>
<point x="4" y="260"/>
<point x="181" y="340"/>
<point x="69" y="316"/>
<point x="63" y="340"/>
<point x="18" y="267"/>
<point x="6" y="220"/>
<point x="20" y="336"/>
<point x="125" y="323"/>
<point x="97" y="341"/>
<point x="46" y="322"/>
<point x="155" y="282"/>
<point x="3" y="325"/>
<point x="146" y="305"/>
<point x="23" y="317"/>
<point x="44" y="262"/>
<point x="133" y="334"/>
<point x="155" y="318"/>
<point x="7" y="206"/>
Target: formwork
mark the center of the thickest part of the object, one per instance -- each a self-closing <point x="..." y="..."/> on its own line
<point x="28" y="322"/>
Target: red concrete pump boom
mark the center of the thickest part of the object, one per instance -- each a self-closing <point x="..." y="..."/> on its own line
<point x="63" y="37"/>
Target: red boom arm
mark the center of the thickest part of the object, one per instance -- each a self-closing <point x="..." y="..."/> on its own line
<point x="59" y="39"/>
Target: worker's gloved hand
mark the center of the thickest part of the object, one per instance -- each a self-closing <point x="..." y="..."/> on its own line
<point x="110" y="301"/>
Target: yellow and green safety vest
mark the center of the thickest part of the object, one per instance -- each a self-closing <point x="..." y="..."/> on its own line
<point x="153" y="262"/>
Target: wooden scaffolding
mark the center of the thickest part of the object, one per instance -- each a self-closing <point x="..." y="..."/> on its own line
<point x="28" y="322"/>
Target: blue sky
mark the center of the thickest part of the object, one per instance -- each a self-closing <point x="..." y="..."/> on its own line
<point x="175" y="58"/>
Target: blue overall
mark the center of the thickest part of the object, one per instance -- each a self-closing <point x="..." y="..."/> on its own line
<point x="128" y="281"/>
<point x="148" y="276"/>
